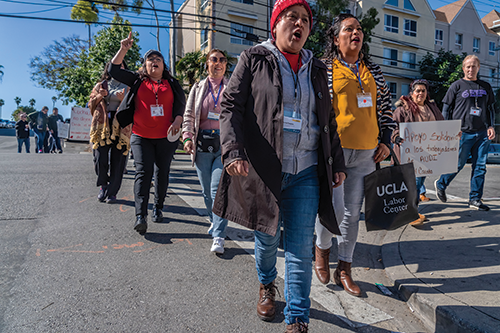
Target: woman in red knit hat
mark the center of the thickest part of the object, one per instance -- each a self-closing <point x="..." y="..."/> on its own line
<point x="282" y="156"/>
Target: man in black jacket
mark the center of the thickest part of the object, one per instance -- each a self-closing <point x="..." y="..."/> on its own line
<point x="23" y="134"/>
<point x="53" y="119"/>
<point x="39" y="122"/>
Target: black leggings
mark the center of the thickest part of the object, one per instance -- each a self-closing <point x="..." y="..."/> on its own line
<point x="149" y="153"/>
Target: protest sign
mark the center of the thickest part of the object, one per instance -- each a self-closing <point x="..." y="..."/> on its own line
<point x="79" y="129"/>
<point x="432" y="146"/>
<point x="62" y="130"/>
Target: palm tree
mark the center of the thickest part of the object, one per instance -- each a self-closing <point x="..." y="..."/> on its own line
<point x="32" y="102"/>
<point x="54" y="100"/>
<point x="2" y="103"/>
<point x="190" y="67"/>
<point x="17" y="100"/>
<point x="1" y="72"/>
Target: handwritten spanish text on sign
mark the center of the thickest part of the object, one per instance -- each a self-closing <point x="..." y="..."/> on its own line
<point x="432" y="146"/>
<point x="79" y="129"/>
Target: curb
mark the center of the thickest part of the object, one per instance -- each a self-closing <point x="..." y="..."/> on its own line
<point x="439" y="312"/>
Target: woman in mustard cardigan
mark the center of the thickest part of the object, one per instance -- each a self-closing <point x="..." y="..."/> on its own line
<point x="362" y="105"/>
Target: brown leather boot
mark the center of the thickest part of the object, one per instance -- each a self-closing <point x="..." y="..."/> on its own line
<point x="266" y="307"/>
<point x="298" y="327"/>
<point x="322" y="265"/>
<point x="342" y="277"/>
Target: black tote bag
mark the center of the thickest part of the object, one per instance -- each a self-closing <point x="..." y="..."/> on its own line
<point x="391" y="198"/>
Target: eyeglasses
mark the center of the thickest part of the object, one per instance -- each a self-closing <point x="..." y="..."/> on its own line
<point x="155" y="59"/>
<point x="215" y="60"/>
<point x="293" y="17"/>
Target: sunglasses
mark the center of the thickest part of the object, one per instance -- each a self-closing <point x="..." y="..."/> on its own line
<point x="215" y="60"/>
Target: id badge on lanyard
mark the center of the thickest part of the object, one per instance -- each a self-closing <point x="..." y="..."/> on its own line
<point x="364" y="100"/>
<point x="213" y="115"/>
<point x="157" y="110"/>
<point x="291" y="124"/>
<point x="475" y="111"/>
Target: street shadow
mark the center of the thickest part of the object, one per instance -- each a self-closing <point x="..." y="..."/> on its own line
<point x="459" y="319"/>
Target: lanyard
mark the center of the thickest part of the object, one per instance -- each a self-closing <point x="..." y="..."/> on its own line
<point x="358" y="76"/>
<point x="155" y="90"/>
<point x="477" y="92"/>
<point x="296" y="86"/>
<point x="218" y="95"/>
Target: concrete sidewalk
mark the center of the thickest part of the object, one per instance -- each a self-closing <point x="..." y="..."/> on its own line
<point x="448" y="270"/>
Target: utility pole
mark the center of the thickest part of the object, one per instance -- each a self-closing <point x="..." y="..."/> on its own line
<point x="173" y="36"/>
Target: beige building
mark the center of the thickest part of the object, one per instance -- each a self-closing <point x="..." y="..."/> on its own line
<point x="231" y="25"/>
<point x="460" y="29"/>
<point x="400" y="40"/>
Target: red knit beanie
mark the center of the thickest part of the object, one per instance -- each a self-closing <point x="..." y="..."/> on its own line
<point x="281" y="5"/>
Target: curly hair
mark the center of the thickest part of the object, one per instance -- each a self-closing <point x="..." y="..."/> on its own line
<point x="331" y="50"/>
<point x="409" y="100"/>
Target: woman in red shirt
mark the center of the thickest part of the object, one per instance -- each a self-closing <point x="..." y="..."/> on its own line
<point x="155" y="106"/>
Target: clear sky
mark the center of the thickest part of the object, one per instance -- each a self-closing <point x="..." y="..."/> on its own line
<point x="22" y="39"/>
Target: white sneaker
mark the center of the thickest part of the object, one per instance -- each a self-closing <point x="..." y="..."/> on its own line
<point x="218" y="245"/>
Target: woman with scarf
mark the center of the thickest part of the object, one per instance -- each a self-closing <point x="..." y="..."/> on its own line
<point x="200" y="132"/>
<point x="282" y="157"/>
<point x="111" y="143"/>
<point x="415" y="107"/>
<point x="362" y="106"/>
<point x="154" y="106"/>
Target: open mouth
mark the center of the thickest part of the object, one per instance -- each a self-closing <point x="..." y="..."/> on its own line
<point x="297" y="34"/>
<point x="356" y="39"/>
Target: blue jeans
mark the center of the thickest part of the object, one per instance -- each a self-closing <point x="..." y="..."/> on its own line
<point x="39" y="138"/>
<point x="477" y="145"/>
<point x="420" y="185"/>
<point x="298" y="209"/>
<point x="209" y="168"/>
<point x="26" y="142"/>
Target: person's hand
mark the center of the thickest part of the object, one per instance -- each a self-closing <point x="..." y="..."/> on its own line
<point x="120" y="94"/>
<point x="381" y="153"/>
<point x="27" y="126"/>
<point x="491" y="133"/>
<point x="338" y="179"/>
<point x="189" y="147"/>
<point x="52" y="131"/>
<point x="127" y="43"/>
<point x="102" y="92"/>
<point x="238" y="168"/>
<point x="399" y="140"/>
<point x="176" y="126"/>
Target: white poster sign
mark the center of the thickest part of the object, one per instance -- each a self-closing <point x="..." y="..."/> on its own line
<point x="62" y="129"/>
<point x="79" y="129"/>
<point x="432" y="146"/>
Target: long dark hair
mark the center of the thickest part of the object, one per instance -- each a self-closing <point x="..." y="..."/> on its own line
<point x="332" y="51"/>
<point x="105" y="75"/>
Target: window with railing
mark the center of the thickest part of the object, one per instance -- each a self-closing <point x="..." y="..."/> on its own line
<point x="393" y="88"/>
<point x="390" y="57"/>
<point x="491" y="48"/>
<point x="409" y="60"/>
<point x="204" y="4"/>
<point x="410" y="28"/>
<point x="476" y="45"/>
<point x="248" y="2"/>
<point x="241" y="31"/>
<point x="204" y="38"/>
<point x="459" y="40"/>
<point x="438" y="40"/>
<point x="391" y="23"/>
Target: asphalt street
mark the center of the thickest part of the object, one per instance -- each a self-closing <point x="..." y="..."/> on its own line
<point x="72" y="264"/>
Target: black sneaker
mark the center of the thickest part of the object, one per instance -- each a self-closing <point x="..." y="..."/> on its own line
<point x="157" y="215"/>
<point x="102" y="194"/>
<point x="441" y="194"/>
<point x="478" y="204"/>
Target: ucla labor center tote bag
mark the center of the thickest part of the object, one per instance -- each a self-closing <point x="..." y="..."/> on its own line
<point x="391" y="198"/>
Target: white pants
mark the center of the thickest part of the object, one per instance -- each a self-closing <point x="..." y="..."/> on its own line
<point x="347" y="202"/>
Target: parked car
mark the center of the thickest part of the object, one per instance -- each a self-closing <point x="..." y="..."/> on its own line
<point x="494" y="153"/>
